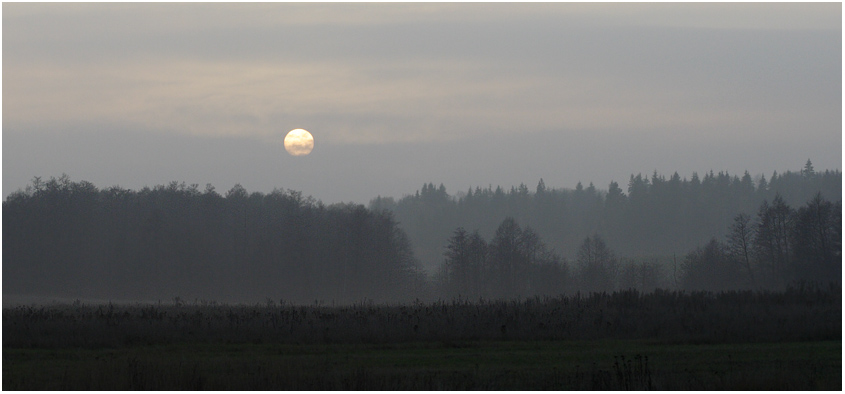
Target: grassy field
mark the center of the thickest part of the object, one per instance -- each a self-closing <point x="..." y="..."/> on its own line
<point x="490" y="365"/>
<point x="625" y="340"/>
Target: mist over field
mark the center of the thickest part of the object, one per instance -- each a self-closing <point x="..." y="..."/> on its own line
<point x="422" y="196"/>
<point x="71" y="239"/>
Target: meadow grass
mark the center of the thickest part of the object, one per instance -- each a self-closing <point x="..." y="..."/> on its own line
<point x="466" y="365"/>
<point x="620" y="341"/>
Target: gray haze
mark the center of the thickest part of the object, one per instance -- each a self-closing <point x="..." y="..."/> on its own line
<point x="401" y="94"/>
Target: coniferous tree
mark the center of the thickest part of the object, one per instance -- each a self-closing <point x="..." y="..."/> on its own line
<point x="808" y="171"/>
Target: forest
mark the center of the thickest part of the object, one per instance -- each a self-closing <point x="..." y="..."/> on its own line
<point x="781" y="245"/>
<point x="657" y="217"/>
<point x="657" y="235"/>
<point x="177" y="288"/>
<point x="70" y="239"/>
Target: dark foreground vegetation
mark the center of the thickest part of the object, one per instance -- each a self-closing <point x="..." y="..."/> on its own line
<point x="624" y="340"/>
<point x="512" y="365"/>
<point x="334" y="297"/>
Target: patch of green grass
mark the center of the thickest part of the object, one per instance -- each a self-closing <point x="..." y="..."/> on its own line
<point x="500" y="365"/>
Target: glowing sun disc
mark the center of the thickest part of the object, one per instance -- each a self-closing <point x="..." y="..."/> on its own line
<point x="299" y="142"/>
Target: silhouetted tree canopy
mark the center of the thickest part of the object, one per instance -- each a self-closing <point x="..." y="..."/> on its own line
<point x="66" y="238"/>
<point x="70" y="239"/>
<point x="514" y="264"/>
<point x="597" y="265"/>
<point x="656" y="216"/>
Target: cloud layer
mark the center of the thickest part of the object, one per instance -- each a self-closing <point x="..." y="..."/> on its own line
<point x="682" y="75"/>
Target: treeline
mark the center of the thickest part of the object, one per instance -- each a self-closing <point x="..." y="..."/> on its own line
<point x="515" y="263"/>
<point x="777" y="247"/>
<point x="69" y="239"/>
<point x="655" y="216"/>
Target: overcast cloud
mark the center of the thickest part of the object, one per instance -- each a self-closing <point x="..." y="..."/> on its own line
<point x="400" y="94"/>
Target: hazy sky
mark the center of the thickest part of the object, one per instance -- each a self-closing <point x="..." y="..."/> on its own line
<point x="397" y="95"/>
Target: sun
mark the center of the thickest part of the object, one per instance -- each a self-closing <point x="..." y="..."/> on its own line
<point x="299" y="142"/>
